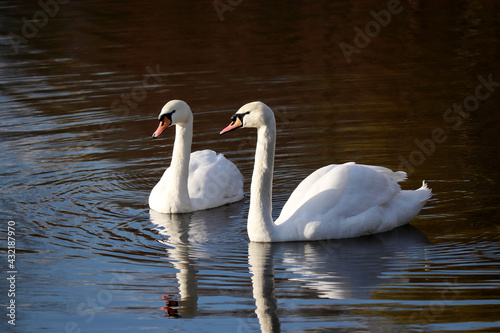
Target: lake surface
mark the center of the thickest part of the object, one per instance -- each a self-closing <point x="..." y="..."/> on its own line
<point x="413" y="87"/>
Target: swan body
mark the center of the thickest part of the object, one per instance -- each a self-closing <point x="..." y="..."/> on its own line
<point x="194" y="181"/>
<point x="336" y="201"/>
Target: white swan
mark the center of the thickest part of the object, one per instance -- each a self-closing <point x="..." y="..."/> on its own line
<point x="196" y="181"/>
<point x="336" y="201"/>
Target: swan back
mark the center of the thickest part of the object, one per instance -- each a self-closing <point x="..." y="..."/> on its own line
<point x="213" y="180"/>
<point x="350" y="188"/>
<point x="349" y="200"/>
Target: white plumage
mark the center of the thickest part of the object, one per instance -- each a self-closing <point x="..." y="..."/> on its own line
<point x="336" y="201"/>
<point x="348" y="200"/>
<point x="194" y="181"/>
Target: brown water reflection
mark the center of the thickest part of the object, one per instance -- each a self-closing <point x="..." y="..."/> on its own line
<point x="81" y="98"/>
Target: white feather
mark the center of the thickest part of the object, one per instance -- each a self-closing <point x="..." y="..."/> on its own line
<point x="336" y="201"/>
<point x="194" y="181"/>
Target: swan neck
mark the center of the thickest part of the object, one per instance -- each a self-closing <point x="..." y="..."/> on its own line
<point x="180" y="161"/>
<point x="260" y="221"/>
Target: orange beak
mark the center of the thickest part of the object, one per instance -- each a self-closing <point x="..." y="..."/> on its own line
<point x="163" y="126"/>
<point x="235" y="124"/>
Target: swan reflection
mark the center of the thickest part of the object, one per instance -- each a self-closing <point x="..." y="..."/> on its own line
<point x="176" y="227"/>
<point x="337" y="269"/>
<point x="180" y="232"/>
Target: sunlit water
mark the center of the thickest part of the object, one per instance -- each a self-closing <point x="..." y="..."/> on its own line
<point x="79" y="104"/>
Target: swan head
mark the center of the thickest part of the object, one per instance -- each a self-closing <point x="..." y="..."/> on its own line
<point x="175" y="112"/>
<point x="250" y="115"/>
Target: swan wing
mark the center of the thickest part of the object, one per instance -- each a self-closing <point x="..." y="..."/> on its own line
<point x="213" y="180"/>
<point x="309" y="186"/>
<point x="397" y="176"/>
<point x="348" y="200"/>
<point x="348" y="188"/>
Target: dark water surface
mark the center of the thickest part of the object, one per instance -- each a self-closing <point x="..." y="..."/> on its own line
<point x="82" y="84"/>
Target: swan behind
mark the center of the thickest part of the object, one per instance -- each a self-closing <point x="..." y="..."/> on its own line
<point x="194" y="181"/>
<point x="336" y="201"/>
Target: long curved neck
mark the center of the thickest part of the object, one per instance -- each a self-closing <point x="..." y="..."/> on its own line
<point x="179" y="164"/>
<point x="260" y="221"/>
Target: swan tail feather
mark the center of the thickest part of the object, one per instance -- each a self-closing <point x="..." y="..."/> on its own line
<point x="400" y="176"/>
<point x="426" y="191"/>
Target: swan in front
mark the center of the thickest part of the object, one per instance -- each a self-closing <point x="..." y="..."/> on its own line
<point x="336" y="201"/>
<point x="194" y="181"/>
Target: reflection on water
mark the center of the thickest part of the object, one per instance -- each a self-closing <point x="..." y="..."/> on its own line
<point x="177" y="228"/>
<point x="347" y="269"/>
<point x="80" y="103"/>
<point x="180" y="232"/>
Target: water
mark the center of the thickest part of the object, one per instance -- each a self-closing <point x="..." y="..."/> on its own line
<point x="80" y="96"/>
